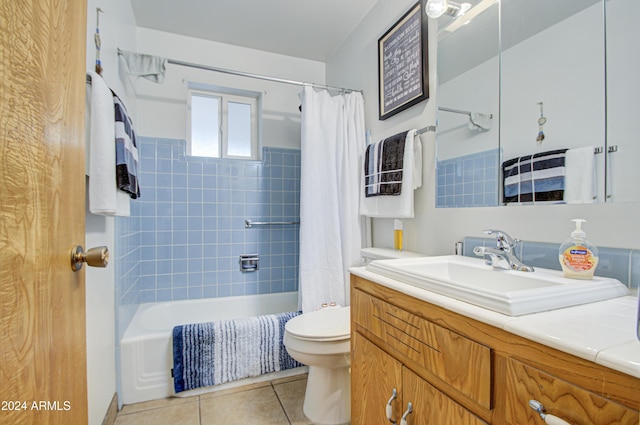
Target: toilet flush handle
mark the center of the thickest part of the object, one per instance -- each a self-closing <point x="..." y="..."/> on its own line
<point x="394" y="395"/>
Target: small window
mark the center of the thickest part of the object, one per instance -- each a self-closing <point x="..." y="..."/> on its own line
<point x="223" y="124"/>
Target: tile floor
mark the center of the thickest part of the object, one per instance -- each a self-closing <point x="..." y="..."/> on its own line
<point x="277" y="402"/>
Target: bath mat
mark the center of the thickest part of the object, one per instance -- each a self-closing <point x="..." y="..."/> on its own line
<point x="206" y="354"/>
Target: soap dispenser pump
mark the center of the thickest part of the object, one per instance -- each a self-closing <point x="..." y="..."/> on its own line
<point x="578" y="257"/>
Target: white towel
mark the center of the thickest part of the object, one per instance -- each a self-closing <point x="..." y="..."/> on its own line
<point x="400" y="206"/>
<point x="146" y="66"/>
<point x="104" y="198"/>
<point x="580" y="182"/>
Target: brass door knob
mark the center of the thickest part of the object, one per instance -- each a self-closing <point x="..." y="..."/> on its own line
<point x="94" y="257"/>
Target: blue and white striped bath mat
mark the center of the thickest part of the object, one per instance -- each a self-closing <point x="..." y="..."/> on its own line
<point x="206" y="354"/>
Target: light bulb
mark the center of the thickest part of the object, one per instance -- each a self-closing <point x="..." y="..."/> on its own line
<point x="436" y="8"/>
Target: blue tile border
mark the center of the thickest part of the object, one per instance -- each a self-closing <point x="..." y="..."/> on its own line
<point x="468" y="180"/>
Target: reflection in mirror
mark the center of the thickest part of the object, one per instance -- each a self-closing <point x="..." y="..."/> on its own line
<point x="468" y="115"/>
<point x="623" y="100"/>
<point x="552" y="101"/>
<point x="550" y="96"/>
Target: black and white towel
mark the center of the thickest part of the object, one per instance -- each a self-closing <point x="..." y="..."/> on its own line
<point x="535" y="178"/>
<point x="126" y="151"/>
<point x="383" y="166"/>
<point x="387" y="190"/>
<point x="206" y="354"/>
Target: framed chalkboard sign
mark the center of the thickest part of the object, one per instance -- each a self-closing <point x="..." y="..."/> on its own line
<point x="403" y="65"/>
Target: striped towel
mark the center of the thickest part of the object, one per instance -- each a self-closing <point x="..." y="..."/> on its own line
<point x="206" y="354"/>
<point x="383" y="166"/>
<point x="535" y="178"/>
<point x="126" y="151"/>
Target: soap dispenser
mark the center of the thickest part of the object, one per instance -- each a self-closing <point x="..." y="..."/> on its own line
<point x="578" y="257"/>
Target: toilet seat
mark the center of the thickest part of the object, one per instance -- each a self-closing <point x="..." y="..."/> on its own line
<point x="328" y="324"/>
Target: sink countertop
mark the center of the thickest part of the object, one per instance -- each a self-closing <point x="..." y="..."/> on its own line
<point x="603" y="332"/>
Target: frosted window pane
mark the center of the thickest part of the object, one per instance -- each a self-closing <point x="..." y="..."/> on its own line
<point x="205" y="135"/>
<point x="239" y="143"/>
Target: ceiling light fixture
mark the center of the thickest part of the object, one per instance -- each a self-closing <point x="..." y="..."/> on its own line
<point x="475" y="11"/>
<point x="437" y="8"/>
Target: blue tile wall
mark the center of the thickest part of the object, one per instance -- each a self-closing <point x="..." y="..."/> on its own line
<point x="126" y="261"/>
<point x="617" y="263"/>
<point x="191" y="229"/>
<point x="468" y="181"/>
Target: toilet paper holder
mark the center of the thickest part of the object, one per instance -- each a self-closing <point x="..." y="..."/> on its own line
<point x="249" y="262"/>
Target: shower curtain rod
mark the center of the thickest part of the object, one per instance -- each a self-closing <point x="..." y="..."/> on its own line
<point x="256" y="76"/>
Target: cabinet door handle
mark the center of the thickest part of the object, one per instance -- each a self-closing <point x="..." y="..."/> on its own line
<point x="403" y="421"/>
<point x="548" y="419"/>
<point x="394" y="395"/>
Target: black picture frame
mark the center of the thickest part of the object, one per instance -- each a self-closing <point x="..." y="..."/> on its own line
<point x="403" y="63"/>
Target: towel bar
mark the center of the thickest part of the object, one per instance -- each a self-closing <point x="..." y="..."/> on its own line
<point x="249" y="223"/>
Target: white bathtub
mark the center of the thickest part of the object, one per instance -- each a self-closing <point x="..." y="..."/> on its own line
<point x="146" y="352"/>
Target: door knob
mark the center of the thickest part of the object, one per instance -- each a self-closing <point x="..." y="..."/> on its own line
<point x="94" y="257"/>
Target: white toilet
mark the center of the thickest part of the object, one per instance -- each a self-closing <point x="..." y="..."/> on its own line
<point x="321" y="340"/>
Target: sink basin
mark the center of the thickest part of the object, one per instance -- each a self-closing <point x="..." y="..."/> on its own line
<point x="509" y="292"/>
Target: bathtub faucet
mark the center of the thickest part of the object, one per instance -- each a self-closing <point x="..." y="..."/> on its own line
<point x="503" y="255"/>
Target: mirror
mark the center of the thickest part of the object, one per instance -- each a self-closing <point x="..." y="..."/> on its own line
<point x="468" y="83"/>
<point x="531" y="80"/>
<point x="623" y="100"/>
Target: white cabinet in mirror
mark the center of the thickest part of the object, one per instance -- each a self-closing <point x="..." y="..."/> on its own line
<point x="542" y="61"/>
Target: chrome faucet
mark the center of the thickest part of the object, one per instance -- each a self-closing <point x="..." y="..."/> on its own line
<point x="503" y="255"/>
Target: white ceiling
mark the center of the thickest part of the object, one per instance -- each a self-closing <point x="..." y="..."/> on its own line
<point x="310" y="29"/>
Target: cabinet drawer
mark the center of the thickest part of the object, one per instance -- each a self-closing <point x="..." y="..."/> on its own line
<point x="560" y="398"/>
<point x="464" y="364"/>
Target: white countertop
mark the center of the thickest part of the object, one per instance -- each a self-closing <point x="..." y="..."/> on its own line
<point x="603" y="332"/>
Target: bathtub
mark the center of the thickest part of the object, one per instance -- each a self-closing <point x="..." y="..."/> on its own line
<point x="146" y="352"/>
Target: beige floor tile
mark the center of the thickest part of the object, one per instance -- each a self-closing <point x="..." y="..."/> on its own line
<point x="289" y="379"/>
<point x="234" y="390"/>
<point x="253" y="407"/>
<point x="178" y="414"/>
<point x="155" y="404"/>
<point x="291" y="395"/>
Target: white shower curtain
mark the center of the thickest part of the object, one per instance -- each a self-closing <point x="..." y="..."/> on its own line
<point x="333" y="142"/>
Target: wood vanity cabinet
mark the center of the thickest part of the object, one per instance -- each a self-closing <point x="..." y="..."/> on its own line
<point x="458" y="371"/>
<point x="374" y="377"/>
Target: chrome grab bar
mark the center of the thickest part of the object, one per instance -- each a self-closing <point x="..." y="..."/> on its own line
<point x="249" y="223"/>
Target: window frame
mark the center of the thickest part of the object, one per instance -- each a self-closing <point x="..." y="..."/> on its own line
<point x="225" y="96"/>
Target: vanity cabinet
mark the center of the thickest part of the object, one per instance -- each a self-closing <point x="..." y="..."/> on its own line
<point x="456" y="370"/>
<point x="385" y="386"/>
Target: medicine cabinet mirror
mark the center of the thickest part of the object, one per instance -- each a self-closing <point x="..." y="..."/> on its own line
<point x="521" y="77"/>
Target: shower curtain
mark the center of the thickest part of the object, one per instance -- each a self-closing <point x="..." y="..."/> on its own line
<point x="332" y="145"/>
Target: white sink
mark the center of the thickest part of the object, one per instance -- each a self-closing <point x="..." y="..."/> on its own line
<point x="510" y="292"/>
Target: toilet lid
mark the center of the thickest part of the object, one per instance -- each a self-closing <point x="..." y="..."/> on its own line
<point x="325" y="324"/>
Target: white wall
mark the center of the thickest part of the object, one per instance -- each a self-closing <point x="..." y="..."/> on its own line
<point x="435" y="230"/>
<point x="117" y="29"/>
<point x="454" y="136"/>
<point x="162" y="107"/>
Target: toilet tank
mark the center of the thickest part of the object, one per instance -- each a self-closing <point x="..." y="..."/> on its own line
<point x="370" y="254"/>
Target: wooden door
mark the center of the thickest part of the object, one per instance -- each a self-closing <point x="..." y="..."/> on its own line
<point x="374" y="375"/>
<point x="42" y="209"/>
